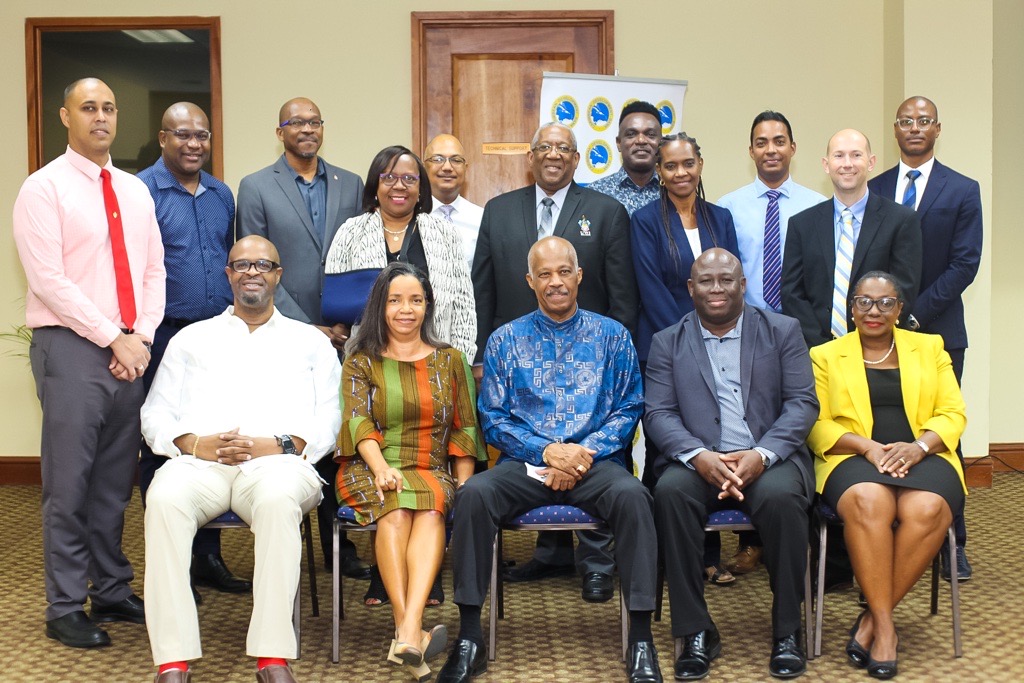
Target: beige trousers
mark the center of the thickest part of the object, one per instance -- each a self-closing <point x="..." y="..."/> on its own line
<point x="272" y="499"/>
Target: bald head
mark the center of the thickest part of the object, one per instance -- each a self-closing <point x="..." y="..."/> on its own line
<point x="300" y="129"/>
<point x="717" y="286"/>
<point x="253" y="288"/>
<point x="180" y="111"/>
<point x="551" y="247"/>
<point x="185" y="142"/>
<point x="919" y="101"/>
<point x="298" y="106"/>
<point x="713" y="258"/>
<point x="917" y="127"/>
<point x="90" y="115"/>
<point x="849" y="136"/>
<point x="445" y="160"/>
<point x="254" y="244"/>
<point x="848" y="161"/>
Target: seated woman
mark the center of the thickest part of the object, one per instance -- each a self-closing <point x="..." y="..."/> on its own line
<point x="891" y="417"/>
<point x="667" y="236"/>
<point x="409" y="407"/>
<point x="397" y="226"/>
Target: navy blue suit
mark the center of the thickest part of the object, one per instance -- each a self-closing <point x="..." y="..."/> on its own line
<point x="660" y="277"/>
<point x="950" y="213"/>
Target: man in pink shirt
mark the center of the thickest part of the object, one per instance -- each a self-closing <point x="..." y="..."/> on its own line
<point x="89" y="242"/>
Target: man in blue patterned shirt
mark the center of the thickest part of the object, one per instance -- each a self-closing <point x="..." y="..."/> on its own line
<point x="560" y="398"/>
<point x="636" y="183"/>
<point x="196" y="214"/>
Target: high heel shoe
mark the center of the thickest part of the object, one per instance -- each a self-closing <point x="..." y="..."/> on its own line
<point x="434" y="642"/>
<point x="858" y="655"/>
<point x="408" y="654"/>
<point x="884" y="670"/>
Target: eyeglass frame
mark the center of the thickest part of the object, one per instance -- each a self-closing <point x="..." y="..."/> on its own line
<point x="299" y="124"/>
<point x="404" y="177"/>
<point x="563" y="149"/>
<point x="177" y="133"/>
<point x="875" y="302"/>
<point x="920" y="126"/>
<point x="274" y="265"/>
<point x="441" y="160"/>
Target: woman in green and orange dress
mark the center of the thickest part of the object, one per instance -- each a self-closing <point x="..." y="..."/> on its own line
<point x="409" y="424"/>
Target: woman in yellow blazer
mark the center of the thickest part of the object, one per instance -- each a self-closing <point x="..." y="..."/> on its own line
<point x="885" y="441"/>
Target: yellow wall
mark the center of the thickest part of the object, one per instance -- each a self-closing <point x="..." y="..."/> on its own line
<point x="826" y="65"/>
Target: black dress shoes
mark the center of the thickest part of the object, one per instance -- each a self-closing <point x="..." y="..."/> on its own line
<point x="642" y="663"/>
<point x="788" y="660"/>
<point x="597" y="587"/>
<point x="698" y="651"/>
<point x="76" y="630"/>
<point x="535" y="570"/>
<point x="354" y="568"/>
<point x="467" y="659"/>
<point x="210" y="570"/>
<point x="130" y="609"/>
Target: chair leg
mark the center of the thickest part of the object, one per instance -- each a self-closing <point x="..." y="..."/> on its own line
<point x="314" y="594"/>
<point x="297" y="620"/>
<point x="661" y="590"/>
<point x="954" y="584"/>
<point x="337" y="604"/>
<point x="493" y="636"/>
<point x="935" y="585"/>
<point x="678" y="646"/>
<point x="808" y="619"/>
<point x="819" y="607"/>
<point x="499" y="566"/>
<point x="624" y="616"/>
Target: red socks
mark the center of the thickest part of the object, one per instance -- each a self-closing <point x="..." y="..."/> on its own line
<point x="181" y="666"/>
<point x="262" y="662"/>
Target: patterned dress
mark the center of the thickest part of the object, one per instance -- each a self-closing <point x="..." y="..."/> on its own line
<point x="420" y="412"/>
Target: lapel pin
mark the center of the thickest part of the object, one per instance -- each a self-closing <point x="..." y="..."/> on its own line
<point x="584" y="226"/>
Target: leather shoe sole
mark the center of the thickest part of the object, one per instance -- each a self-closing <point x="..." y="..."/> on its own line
<point x="130" y="609"/>
<point x="597" y="587"/>
<point x="76" y="630"/>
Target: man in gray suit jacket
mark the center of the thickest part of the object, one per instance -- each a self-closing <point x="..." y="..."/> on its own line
<point x="730" y="400"/>
<point x="298" y="203"/>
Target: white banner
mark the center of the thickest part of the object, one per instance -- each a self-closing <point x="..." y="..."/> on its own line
<point x="591" y="104"/>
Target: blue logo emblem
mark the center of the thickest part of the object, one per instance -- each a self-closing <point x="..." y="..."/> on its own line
<point x="599" y="113"/>
<point x="565" y="110"/>
<point x="599" y="156"/>
<point x="668" y="116"/>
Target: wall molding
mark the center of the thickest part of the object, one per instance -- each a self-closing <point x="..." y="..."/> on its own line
<point x="1010" y="456"/>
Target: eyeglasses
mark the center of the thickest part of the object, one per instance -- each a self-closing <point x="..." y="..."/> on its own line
<point x="439" y="160"/>
<point x="299" y="124"/>
<point x="261" y="265"/>
<point x="544" y="148"/>
<point x="865" y="303"/>
<point x="923" y="123"/>
<point x="408" y="179"/>
<point x="184" y="134"/>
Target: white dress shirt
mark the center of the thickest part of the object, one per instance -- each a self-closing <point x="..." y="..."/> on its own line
<point x="922" y="181"/>
<point x="558" y="197"/>
<point x="466" y="217"/>
<point x="282" y="378"/>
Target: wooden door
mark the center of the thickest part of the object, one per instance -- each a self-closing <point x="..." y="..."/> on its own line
<point x="478" y="75"/>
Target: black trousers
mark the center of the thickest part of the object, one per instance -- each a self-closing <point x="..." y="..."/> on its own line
<point x="90" y="444"/>
<point x="504" y="492"/>
<point x="777" y="504"/>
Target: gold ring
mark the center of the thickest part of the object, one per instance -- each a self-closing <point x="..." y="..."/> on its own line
<point x="903" y="461"/>
<point x="581" y="469"/>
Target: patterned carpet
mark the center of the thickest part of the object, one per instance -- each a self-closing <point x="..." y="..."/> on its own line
<point x="549" y="634"/>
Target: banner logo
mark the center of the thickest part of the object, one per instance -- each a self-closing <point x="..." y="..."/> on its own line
<point x="599" y="157"/>
<point x="668" y="116"/>
<point x="565" y="110"/>
<point x="599" y="113"/>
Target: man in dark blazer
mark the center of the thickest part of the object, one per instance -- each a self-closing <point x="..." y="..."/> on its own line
<point x="298" y="203"/>
<point x="598" y="228"/>
<point x="729" y="401"/>
<point x="949" y="206"/>
<point x="886" y="236"/>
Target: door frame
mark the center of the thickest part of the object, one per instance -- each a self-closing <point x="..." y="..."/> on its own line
<point x="422" y="22"/>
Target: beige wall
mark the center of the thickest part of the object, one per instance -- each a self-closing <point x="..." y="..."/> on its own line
<point x="833" y="66"/>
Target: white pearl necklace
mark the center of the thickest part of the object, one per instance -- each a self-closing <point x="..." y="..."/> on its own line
<point x="395" y="234"/>
<point x="887" y="354"/>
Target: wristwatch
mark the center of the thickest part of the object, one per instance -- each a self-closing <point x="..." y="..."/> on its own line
<point x="765" y="460"/>
<point x="286" y="444"/>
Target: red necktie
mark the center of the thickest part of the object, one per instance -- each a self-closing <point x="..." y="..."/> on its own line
<point x="122" y="272"/>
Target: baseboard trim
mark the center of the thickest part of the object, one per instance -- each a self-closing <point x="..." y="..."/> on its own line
<point x="978" y="473"/>
<point x="1010" y="457"/>
<point x="21" y="469"/>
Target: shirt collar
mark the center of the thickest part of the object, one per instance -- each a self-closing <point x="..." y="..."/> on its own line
<point x="558" y="196"/>
<point x="625" y="181"/>
<point x="734" y="333"/>
<point x="86" y="166"/>
<point x="321" y="170"/>
<point x="545" y="321"/>
<point x="165" y="179"/>
<point x="232" y="319"/>
<point x="760" y="189"/>
<point x="857" y="207"/>
<point x="925" y="169"/>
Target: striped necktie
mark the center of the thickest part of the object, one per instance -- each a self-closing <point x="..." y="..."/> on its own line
<point x="772" y="252"/>
<point x="910" y="196"/>
<point x="844" y="266"/>
<point x="545" y="218"/>
<point x="447" y="209"/>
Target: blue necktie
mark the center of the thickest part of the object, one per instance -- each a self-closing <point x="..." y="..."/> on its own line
<point x="910" y="196"/>
<point x="772" y="252"/>
<point x="841" y="283"/>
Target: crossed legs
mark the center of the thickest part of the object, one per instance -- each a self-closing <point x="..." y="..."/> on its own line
<point x="888" y="562"/>
<point x="410" y="549"/>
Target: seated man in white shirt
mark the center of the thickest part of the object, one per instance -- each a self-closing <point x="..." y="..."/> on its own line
<point x="244" y="404"/>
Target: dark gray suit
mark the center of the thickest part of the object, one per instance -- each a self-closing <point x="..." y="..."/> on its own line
<point x="269" y="204"/>
<point x="682" y="414"/>
<point x="890" y="240"/>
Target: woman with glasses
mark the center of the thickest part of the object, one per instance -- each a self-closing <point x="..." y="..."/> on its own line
<point x="409" y="413"/>
<point x="891" y="417"/>
<point x="667" y="236"/>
